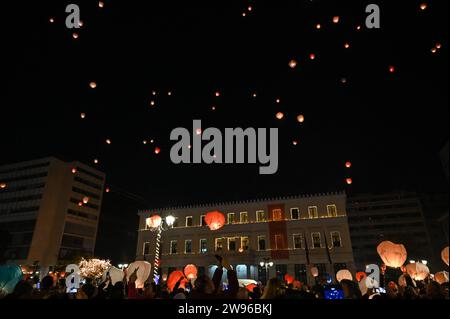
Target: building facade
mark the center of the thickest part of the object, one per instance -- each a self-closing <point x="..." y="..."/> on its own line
<point x="397" y="217"/>
<point x="294" y="233"/>
<point x="49" y="210"/>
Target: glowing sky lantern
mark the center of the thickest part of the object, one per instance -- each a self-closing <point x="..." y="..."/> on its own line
<point x="85" y="200"/>
<point x="312" y="56"/>
<point x="292" y="64"/>
<point x="277" y="101"/>
<point x="174" y="277"/>
<point x="289" y="279"/>
<point x="108" y="141"/>
<point x="80" y="204"/>
<point x="418" y="271"/>
<point x="96" y="161"/>
<point x="215" y="220"/>
<point x="157" y="150"/>
<point x="295" y="143"/>
<point x="249" y="8"/>
<point x="314" y="271"/>
<point x="154" y="93"/>
<point x="143" y="272"/>
<point x="169" y="93"/>
<point x="83" y="115"/>
<point x="441" y="277"/>
<point x="336" y="19"/>
<point x="360" y="276"/>
<point x="190" y="271"/>
<point x="198" y="131"/>
<point x="318" y="26"/>
<point x="391" y="69"/>
<point x="80" y="23"/>
<point x="144" y="142"/>
<point x="349" y="181"/>
<point x="433" y="50"/>
<point x="152" y="103"/>
<point x="444" y="255"/>
<point x="346" y="45"/>
<point x="74" y="170"/>
<point x="344" y="274"/>
<point x="3" y="185"/>
<point x="75" y="35"/>
<point x="51" y="20"/>
<point x="300" y="118"/>
<point x="423" y="6"/>
<point x="254" y="94"/>
<point x="358" y="27"/>
<point x="393" y="255"/>
<point x="107" y="190"/>
<point x="101" y="4"/>
<point x="279" y="115"/>
<point x="93" y="85"/>
<point x="348" y="164"/>
<point x="343" y="80"/>
<point x="153" y="221"/>
<point x="438" y="46"/>
<point x="217" y="94"/>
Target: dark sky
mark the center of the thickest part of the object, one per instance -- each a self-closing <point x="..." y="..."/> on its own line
<point x="391" y="126"/>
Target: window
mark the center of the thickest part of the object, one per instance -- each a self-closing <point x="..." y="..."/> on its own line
<point x="261" y="242"/>
<point x="298" y="241"/>
<point x="146" y="249"/>
<point x="332" y="210"/>
<point x="231" y="244"/>
<point x="260" y="216"/>
<point x="173" y="247"/>
<point x="300" y="273"/>
<point x="316" y="240"/>
<point x="336" y="239"/>
<point x="244" y="217"/>
<point x="279" y="241"/>
<point x="189" y="221"/>
<point x="230" y="218"/>
<point x="188" y="246"/>
<point x="202" y="220"/>
<point x="312" y="210"/>
<point x="219" y="244"/>
<point x="281" y="271"/>
<point x="175" y="223"/>
<point x="295" y="213"/>
<point x="203" y="246"/>
<point x="244" y="243"/>
<point x="277" y="215"/>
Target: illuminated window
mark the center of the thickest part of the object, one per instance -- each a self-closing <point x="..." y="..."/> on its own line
<point x="260" y="216"/>
<point x="332" y="210"/>
<point x="244" y="217"/>
<point x="277" y="214"/>
<point x="261" y="242"/>
<point x="298" y="241"/>
<point x="231" y="218"/>
<point x="146" y="249"/>
<point x="231" y="244"/>
<point x="173" y="247"/>
<point x="202" y="220"/>
<point x="244" y="243"/>
<point x="189" y="221"/>
<point x="295" y="213"/>
<point x="219" y="244"/>
<point x="188" y="246"/>
<point x="336" y="239"/>
<point x="316" y="240"/>
<point x="312" y="210"/>
<point x="203" y="246"/>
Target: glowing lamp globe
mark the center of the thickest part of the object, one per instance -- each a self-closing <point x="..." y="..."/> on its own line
<point x="190" y="271"/>
<point x="154" y="221"/>
<point x="393" y="255"/>
<point x="418" y="271"/>
<point x="289" y="279"/>
<point x="215" y="220"/>
<point x="444" y="255"/>
<point x="344" y="274"/>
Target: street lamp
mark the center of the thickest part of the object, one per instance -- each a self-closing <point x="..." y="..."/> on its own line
<point x="166" y="223"/>
<point x="266" y="264"/>
<point x="123" y="266"/>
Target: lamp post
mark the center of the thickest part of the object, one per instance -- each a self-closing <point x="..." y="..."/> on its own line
<point x="266" y="264"/>
<point x="166" y="223"/>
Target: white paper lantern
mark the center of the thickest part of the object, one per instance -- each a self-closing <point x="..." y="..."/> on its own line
<point x="115" y="273"/>
<point x="418" y="271"/>
<point x="314" y="271"/>
<point x="344" y="274"/>
<point x="393" y="255"/>
<point x="444" y="255"/>
<point x="441" y="277"/>
<point x="142" y="274"/>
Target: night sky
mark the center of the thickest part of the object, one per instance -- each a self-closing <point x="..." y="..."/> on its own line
<point x="390" y="125"/>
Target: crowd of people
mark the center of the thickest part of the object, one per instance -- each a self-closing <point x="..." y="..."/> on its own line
<point x="204" y="287"/>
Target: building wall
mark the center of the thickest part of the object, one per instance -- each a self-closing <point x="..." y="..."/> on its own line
<point x="282" y="253"/>
<point x="39" y="208"/>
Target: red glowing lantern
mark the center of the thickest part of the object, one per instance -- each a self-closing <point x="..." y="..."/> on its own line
<point x="154" y="221"/>
<point x="360" y="276"/>
<point x="250" y="287"/>
<point x="348" y="164"/>
<point x="174" y="277"/>
<point x="289" y="279"/>
<point x="157" y="150"/>
<point x="215" y="220"/>
<point x="297" y="284"/>
<point x="349" y="181"/>
<point x="190" y="271"/>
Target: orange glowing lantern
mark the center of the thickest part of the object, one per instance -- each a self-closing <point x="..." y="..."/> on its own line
<point x="393" y="255"/>
<point x="348" y="164"/>
<point x="157" y="150"/>
<point x="250" y="287"/>
<point x="344" y="274"/>
<point x="217" y="94"/>
<point x="215" y="220"/>
<point x="314" y="271"/>
<point x="80" y="204"/>
<point x="360" y="276"/>
<point x="346" y="45"/>
<point x="74" y="170"/>
<point x="418" y="271"/>
<point x="391" y="69"/>
<point x="438" y="46"/>
<point x="336" y="19"/>
<point x="93" y="85"/>
<point x="108" y="141"/>
<point x="444" y="255"/>
<point x="51" y="20"/>
<point x="101" y="4"/>
<point x="3" y="185"/>
<point x="318" y="26"/>
<point x="190" y="271"/>
<point x="292" y="64"/>
<point x="423" y="6"/>
<point x="312" y="56"/>
<point x="75" y="35"/>
<point x="300" y="118"/>
<point x="83" y="115"/>
<point x="154" y="221"/>
<point x="85" y="200"/>
<point x="107" y="190"/>
<point x="279" y="115"/>
<point x="289" y="279"/>
<point x="349" y="181"/>
<point x="297" y="284"/>
<point x="174" y="277"/>
<point x="441" y="277"/>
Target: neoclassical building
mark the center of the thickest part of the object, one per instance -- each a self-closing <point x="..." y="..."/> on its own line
<point x="294" y="233"/>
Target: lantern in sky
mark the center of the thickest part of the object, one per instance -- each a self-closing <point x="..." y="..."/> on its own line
<point x="360" y="276"/>
<point x="346" y="45"/>
<point x="74" y="170"/>
<point x="314" y="271"/>
<point x="101" y="4"/>
<point x="154" y="221"/>
<point x="157" y="150"/>
<point x="292" y="64"/>
<point x="142" y="273"/>
<point x="169" y="93"/>
<point x="279" y="115"/>
<point x="80" y="204"/>
<point x="217" y="94"/>
<point x="336" y="19"/>
<point x="80" y="23"/>
<point x="344" y="274"/>
<point x="391" y="69"/>
<point x="83" y="115"/>
<point x="190" y="271"/>
<point x="174" y="277"/>
<point x="418" y="271"/>
<point x="438" y="46"/>
<point x="295" y="143"/>
<point x="423" y="6"/>
<point x="51" y="20"/>
<point x="300" y="118"/>
<point x="3" y="185"/>
<point x="444" y="255"/>
<point x="289" y="279"/>
<point x="312" y="56"/>
<point x="164" y="277"/>
<point x="441" y="277"/>
<point x="85" y="200"/>
<point x="215" y="220"/>
<point x="277" y="101"/>
<point x="348" y="164"/>
<point x="93" y="85"/>
<point x="108" y="141"/>
<point x="96" y="161"/>
<point x="107" y="190"/>
<point x="318" y="26"/>
<point x="343" y="80"/>
<point x="152" y="103"/>
<point x="393" y="255"/>
<point x="349" y="181"/>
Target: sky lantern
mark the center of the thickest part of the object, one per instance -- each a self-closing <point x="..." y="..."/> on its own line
<point x="279" y="115"/>
<point x="75" y="35"/>
<point x="312" y="56"/>
<point x="300" y="118"/>
<point x="441" y="277"/>
<point x="198" y="131"/>
<point x="391" y="69"/>
<point x="108" y="141"/>
<point x="217" y="94"/>
<point x="318" y="26"/>
<point x="277" y="101"/>
<point x="74" y="170"/>
<point x="93" y="85"/>
<point x="315" y="272"/>
<point x="83" y="115"/>
<point x="343" y="80"/>
<point x="51" y="20"/>
<point x="360" y="276"/>
<point x="80" y="23"/>
<point x="254" y="95"/>
<point x="101" y="4"/>
<point x="190" y="271"/>
<point x="169" y="93"/>
<point x="174" y="277"/>
<point x="438" y="46"/>
<point x="393" y="255"/>
<point x="80" y="204"/>
<point x="292" y="64"/>
<point x="336" y="19"/>
<point x="349" y="181"/>
<point x="85" y="200"/>
<point x="346" y="45"/>
<point x="215" y="220"/>
<point x="444" y="255"/>
<point x="418" y="271"/>
<point x="295" y="143"/>
<point x="344" y="274"/>
<point x="3" y="185"/>
<point x="107" y="190"/>
<point x="348" y="164"/>
<point x="289" y="279"/>
<point x="423" y="6"/>
<point x="143" y="272"/>
<point x="153" y="221"/>
<point x="433" y="50"/>
<point x="157" y="150"/>
<point x="96" y="161"/>
<point x="358" y="27"/>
